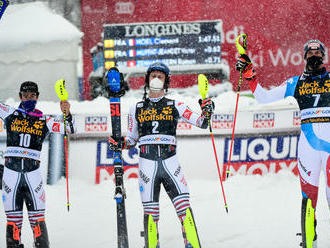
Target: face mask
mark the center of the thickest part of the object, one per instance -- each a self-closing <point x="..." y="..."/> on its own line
<point x="314" y="62"/>
<point x="156" y="84"/>
<point x="29" y="105"/>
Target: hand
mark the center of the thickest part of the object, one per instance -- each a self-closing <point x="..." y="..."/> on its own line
<point x="207" y="106"/>
<point x="65" y="107"/>
<point x="117" y="146"/>
<point x="245" y="66"/>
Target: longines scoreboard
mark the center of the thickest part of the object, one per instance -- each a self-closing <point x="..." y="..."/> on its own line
<point x="173" y="43"/>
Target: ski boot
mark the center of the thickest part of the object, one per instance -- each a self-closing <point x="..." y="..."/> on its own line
<point x="189" y="231"/>
<point x="13" y="236"/>
<point x="150" y="234"/>
<point x="40" y="234"/>
<point x="308" y="224"/>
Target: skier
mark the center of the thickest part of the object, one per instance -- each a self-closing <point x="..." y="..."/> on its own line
<point x="152" y="123"/>
<point x="26" y="129"/>
<point x="312" y="92"/>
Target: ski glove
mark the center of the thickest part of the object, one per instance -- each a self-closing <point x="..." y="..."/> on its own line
<point x="116" y="146"/>
<point x="244" y="65"/>
<point x="207" y="106"/>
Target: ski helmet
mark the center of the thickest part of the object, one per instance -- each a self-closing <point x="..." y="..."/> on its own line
<point x="313" y="45"/>
<point x="29" y="86"/>
<point x="158" y="66"/>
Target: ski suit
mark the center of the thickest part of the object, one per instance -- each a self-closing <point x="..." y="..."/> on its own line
<point x="152" y="124"/>
<point x="312" y="94"/>
<point x="22" y="181"/>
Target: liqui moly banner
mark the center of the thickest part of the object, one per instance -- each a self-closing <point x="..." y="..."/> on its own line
<point x="262" y="155"/>
<point x="104" y="162"/>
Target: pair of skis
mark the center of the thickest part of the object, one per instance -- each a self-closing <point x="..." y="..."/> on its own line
<point x="117" y="89"/>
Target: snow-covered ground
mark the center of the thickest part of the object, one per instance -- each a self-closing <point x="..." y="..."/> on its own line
<point x="264" y="212"/>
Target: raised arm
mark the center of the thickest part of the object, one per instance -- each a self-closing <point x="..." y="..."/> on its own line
<point x="262" y="95"/>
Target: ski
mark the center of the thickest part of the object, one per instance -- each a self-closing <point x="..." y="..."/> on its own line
<point x="116" y="90"/>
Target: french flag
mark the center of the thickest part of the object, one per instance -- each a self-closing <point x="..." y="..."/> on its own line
<point x="131" y="42"/>
<point x="131" y="63"/>
<point x="131" y="53"/>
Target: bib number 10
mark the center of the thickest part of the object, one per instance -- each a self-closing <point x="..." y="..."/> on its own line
<point x="24" y="139"/>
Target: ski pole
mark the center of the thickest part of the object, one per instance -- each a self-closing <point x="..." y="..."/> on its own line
<point x="63" y="96"/>
<point x="203" y="86"/>
<point x="241" y="50"/>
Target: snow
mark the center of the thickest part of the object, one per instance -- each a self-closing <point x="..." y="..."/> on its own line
<point x="33" y="23"/>
<point x="263" y="212"/>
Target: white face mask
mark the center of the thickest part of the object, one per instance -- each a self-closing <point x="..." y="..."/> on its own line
<point x="156" y="84"/>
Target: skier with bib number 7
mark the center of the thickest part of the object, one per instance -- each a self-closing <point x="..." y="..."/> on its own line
<point x="312" y="92"/>
<point x="152" y="123"/>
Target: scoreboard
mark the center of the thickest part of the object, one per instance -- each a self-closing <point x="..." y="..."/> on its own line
<point x="173" y="43"/>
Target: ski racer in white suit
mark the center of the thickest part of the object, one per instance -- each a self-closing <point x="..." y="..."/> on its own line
<point x="152" y="123"/>
<point x="312" y="92"/>
<point x="26" y="129"/>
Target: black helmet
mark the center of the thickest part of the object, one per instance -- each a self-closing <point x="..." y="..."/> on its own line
<point x="313" y="45"/>
<point x="29" y="86"/>
<point x="158" y="66"/>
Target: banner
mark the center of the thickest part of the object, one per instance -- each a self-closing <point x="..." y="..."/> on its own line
<point x="261" y="155"/>
<point x="104" y="162"/>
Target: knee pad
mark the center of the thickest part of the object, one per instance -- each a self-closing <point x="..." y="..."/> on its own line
<point x="13" y="236"/>
<point x="40" y="234"/>
<point x="308" y="224"/>
<point x="151" y="236"/>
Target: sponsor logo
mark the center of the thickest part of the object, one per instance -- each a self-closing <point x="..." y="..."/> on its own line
<point x="187" y="114"/>
<point x="155" y="139"/>
<point x="255" y="155"/>
<point x="151" y="114"/>
<point x="314" y="87"/>
<point x="124" y="7"/>
<point x="264" y="120"/>
<point x="222" y="121"/>
<point x="4" y="108"/>
<point x="2" y="128"/>
<point x="296" y="118"/>
<point x="308" y="173"/>
<point x="96" y="124"/>
<point x="315" y="112"/>
<point x="115" y="109"/>
<point x="38" y="188"/>
<point x="162" y="29"/>
<point x="23" y="126"/>
<point x="5" y="187"/>
<point x="177" y="171"/>
<point x="182" y="125"/>
<point x="56" y="127"/>
<point x="105" y="162"/>
<point x="144" y="177"/>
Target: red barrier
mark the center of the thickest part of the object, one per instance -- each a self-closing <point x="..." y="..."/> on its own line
<point x="277" y="30"/>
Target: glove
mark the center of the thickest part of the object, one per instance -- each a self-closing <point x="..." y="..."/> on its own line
<point x="117" y="146"/>
<point x="244" y="65"/>
<point x="207" y="106"/>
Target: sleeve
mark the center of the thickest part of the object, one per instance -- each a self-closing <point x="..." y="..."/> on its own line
<point x="278" y="93"/>
<point x="189" y="116"/>
<point x="5" y="111"/>
<point x="132" y="136"/>
<point x="57" y="126"/>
